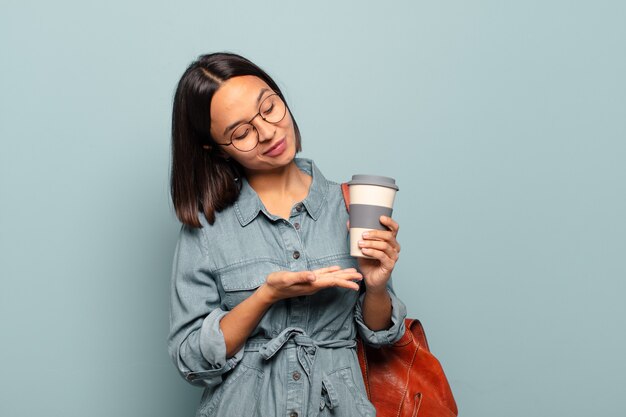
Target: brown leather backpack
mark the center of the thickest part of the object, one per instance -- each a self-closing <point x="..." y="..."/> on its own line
<point x="404" y="379"/>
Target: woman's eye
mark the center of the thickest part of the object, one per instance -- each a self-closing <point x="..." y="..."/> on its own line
<point x="269" y="110"/>
<point x="243" y="135"/>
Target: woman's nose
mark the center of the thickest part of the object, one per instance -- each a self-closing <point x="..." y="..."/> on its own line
<point x="265" y="129"/>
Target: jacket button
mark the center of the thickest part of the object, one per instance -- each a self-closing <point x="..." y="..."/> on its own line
<point x="296" y="225"/>
<point x="296" y="376"/>
<point x="293" y="414"/>
<point x="299" y="207"/>
<point x="296" y="255"/>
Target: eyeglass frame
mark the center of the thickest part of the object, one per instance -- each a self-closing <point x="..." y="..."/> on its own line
<point x="253" y="127"/>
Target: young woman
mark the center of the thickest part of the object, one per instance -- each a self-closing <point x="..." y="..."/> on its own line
<point x="265" y="300"/>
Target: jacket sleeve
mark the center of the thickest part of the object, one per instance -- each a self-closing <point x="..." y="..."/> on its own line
<point x="385" y="336"/>
<point x="195" y="342"/>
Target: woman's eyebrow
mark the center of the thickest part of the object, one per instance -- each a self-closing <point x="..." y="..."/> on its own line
<point x="258" y="99"/>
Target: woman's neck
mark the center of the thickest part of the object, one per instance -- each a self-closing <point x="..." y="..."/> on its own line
<point x="282" y="185"/>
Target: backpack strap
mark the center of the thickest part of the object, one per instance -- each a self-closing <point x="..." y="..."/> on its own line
<point x="346" y="195"/>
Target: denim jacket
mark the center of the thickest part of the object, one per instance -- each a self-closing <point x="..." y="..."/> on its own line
<point x="300" y="360"/>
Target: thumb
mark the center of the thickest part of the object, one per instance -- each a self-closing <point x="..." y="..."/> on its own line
<point x="348" y="224"/>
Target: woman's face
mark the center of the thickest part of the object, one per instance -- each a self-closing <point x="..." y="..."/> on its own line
<point x="234" y="103"/>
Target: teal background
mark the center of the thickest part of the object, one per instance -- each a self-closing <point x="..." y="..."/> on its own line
<point x="503" y="123"/>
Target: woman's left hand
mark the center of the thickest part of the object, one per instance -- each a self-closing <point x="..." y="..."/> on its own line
<point x="382" y="245"/>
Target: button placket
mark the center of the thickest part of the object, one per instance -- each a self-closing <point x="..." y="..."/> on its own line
<point x="295" y="247"/>
<point x="295" y="388"/>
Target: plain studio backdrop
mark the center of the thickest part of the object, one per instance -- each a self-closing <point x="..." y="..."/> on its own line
<point x="503" y="123"/>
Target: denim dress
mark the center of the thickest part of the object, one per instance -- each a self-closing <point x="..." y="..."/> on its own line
<point x="301" y="358"/>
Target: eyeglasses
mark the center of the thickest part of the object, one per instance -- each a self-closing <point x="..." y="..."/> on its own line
<point x="246" y="137"/>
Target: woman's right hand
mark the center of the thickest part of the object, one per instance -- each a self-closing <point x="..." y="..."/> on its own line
<point x="287" y="284"/>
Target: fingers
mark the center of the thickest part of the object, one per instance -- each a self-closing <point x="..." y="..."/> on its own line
<point x="327" y="269"/>
<point x="381" y="236"/>
<point x="383" y="252"/>
<point x="345" y="284"/>
<point x="303" y="277"/>
<point x="287" y="284"/>
<point x="379" y="245"/>
<point x="343" y="278"/>
<point x="390" y="224"/>
<point x="389" y="236"/>
<point x="310" y="276"/>
<point x="307" y="282"/>
<point x="382" y="244"/>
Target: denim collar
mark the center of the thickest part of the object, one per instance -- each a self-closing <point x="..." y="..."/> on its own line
<point x="249" y="204"/>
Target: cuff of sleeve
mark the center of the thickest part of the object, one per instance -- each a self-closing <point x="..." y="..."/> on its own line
<point x="389" y="336"/>
<point x="213" y="346"/>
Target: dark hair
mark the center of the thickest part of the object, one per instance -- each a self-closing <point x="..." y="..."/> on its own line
<point x="204" y="180"/>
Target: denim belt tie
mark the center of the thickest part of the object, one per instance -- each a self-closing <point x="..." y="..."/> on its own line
<point x="306" y="349"/>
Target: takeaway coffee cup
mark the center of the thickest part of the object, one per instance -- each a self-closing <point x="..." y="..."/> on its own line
<point x="371" y="196"/>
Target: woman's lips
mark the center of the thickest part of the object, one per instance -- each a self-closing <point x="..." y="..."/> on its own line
<point x="276" y="149"/>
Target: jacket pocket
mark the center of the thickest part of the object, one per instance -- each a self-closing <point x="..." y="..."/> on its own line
<point x="227" y="400"/>
<point x="240" y="280"/>
<point x="341" y="396"/>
